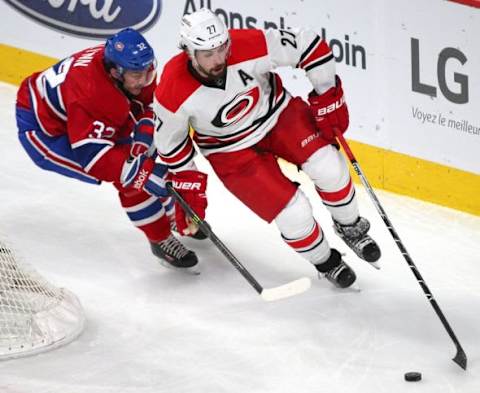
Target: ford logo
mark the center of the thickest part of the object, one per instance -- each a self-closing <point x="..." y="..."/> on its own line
<point x="91" y="18"/>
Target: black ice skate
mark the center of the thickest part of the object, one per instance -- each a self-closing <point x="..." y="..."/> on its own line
<point x="355" y="236"/>
<point x="173" y="254"/>
<point x="335" y="270"/>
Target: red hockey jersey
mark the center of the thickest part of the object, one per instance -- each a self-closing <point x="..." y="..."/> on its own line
<point x="77" y="97"/>
<point x="240" y="113"/>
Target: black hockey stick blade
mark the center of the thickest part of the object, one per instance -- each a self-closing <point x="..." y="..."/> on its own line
<point x="461" y="358"/>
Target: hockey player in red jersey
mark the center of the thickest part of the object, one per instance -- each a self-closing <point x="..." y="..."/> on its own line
<point x="223" y="85"/>
<point x="89" y="117"/>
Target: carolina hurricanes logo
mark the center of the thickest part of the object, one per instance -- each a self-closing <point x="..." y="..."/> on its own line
<point x="237" y="108"/>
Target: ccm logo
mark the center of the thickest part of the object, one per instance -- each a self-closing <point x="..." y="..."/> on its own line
<point x="186" y="186"/>
<point x="332" y="107"/>
<point x="142" y="176"/>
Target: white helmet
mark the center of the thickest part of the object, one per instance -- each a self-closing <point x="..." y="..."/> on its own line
<point x="202" y="30"/>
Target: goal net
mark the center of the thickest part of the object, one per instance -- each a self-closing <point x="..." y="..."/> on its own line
<point x="35" y="316"/>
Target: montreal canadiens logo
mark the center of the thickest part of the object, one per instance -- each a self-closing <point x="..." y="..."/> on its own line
<point x="237" y="108"/>
<point x="119" y="46"/>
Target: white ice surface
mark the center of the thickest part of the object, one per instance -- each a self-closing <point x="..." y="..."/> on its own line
<point x="150" y="330"/>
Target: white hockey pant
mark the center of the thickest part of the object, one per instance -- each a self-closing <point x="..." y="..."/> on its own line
<point x="328" y="170"/>
<point x="300" y="230"/>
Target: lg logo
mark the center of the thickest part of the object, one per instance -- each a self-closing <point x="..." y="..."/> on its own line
<point x="459" y="95"/>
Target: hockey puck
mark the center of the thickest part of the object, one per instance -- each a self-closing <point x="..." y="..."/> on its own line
<point x="413" y="376"/>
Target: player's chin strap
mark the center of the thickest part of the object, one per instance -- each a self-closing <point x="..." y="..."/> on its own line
<point x="290" y="289"/>
<point x="460" y="357"/>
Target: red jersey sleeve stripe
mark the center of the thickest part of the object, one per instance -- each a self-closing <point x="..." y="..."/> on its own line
<point x="319" y="52"/>
<point x="178" y="155"/>
<point x="183" y="162"/>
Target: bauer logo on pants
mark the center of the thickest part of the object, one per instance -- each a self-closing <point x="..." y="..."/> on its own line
<point x="91" y="18"/>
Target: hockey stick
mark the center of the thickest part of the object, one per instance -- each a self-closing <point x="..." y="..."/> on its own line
<point x="460" y="357"/>
<point x="290" y="289"/>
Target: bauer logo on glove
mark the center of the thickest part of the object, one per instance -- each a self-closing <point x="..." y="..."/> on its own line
<point x="186" y="185"/>
<point x="322" y="111"/>
<point x="192" y="186"/>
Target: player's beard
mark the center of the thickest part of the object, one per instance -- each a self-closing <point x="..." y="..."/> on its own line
<point x="215" y="74"/>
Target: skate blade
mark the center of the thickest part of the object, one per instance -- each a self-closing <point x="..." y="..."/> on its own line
<point x="375" y="265"/>
<point x="354" y="288"/>
<point x="194" y="270"/>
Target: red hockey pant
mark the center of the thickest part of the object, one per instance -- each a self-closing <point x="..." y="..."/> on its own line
<point x="253" y="174"/>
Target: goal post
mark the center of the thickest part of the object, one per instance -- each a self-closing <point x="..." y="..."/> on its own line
<point x="35" y="316"/>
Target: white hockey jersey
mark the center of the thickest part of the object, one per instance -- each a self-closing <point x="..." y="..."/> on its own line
<point x="240" y="113"/>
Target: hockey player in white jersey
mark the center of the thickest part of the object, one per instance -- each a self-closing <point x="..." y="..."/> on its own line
<point x="224" y="87"/>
